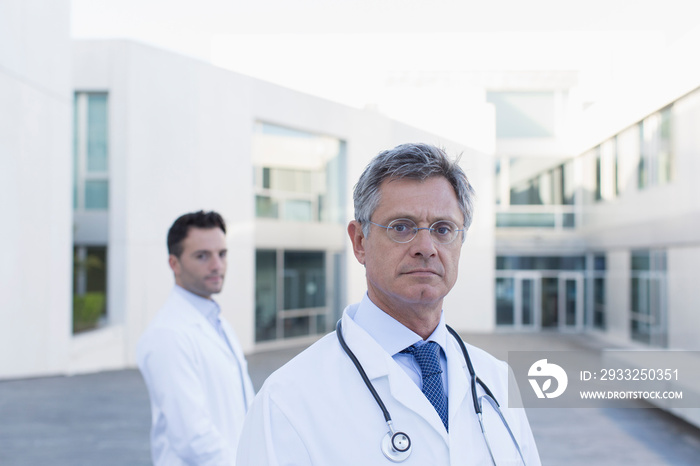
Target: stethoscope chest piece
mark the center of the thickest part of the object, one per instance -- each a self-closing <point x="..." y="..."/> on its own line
<point x="396" y="446"/>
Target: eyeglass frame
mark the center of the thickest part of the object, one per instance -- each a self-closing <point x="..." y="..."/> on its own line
<point x="416" y="229"/>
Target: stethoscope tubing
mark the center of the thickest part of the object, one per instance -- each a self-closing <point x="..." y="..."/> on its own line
<point x="363" y="374"/>
<point x="472" y="373"/>
<point x="474" y="381"/>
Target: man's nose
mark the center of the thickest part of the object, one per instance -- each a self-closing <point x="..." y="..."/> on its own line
<point x="423" y="243"/>
<point x="217" y="262"/>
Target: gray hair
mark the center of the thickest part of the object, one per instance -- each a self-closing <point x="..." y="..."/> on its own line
<point x="412" y="161"/>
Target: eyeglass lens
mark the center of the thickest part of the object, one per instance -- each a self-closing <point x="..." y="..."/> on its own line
<point x="403" y="230"/>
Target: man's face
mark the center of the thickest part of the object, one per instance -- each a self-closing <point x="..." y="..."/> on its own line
<point x="201" y="267"/>
<point x="413" y="277"/>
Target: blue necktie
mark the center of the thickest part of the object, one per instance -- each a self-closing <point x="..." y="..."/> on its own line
<point x="428" y="359"/>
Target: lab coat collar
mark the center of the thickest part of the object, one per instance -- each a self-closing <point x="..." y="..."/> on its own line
<point x="190" y="315"/>
<point x="374" y="359"/>
<point x="392" y="335"/>
<point x="378" y="363"/>
<point x="208" y="307"/>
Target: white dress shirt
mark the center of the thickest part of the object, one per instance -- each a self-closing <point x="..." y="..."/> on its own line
<point x="394" y="337"/>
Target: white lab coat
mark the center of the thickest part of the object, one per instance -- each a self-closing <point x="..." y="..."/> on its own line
<point x="316" y="410"/>
<point x="195" y="387"/>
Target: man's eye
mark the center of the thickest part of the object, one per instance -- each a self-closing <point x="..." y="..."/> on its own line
<point x="401" y="227"/>
<point x="443" y="230"/>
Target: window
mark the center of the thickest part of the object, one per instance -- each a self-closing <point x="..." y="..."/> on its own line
<point x="598" y="174"/>
<point x="641" y="153"/>
<point x="89" y="287"/>
<point x="642" y="164"/>
<point x="535" y="193"/>
<point x="540" y="291"/>
<point x="606" y="168"/>
<point x="568" y="184"/>
<point x="505" y="301"/>
<point x="523" y="114"/>
<point x="656" y="156"/>
<point x="501" y="181"/>
<point x="648" y="300"/>
<point x="540" y="262"/>
<point x="299" y="176"/>
<point x="598" y="278"/>
<point x="291" y="296"/>
<point x="627" y="148"/>
<point x="544" y="188"/>
<point x="90" y="152"/>
<point x="90" y="209"/>
<point x="664" y="159"/>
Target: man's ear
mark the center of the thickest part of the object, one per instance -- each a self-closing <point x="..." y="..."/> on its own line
<point x="174" y="264"/>
<point x="357" y="238"/>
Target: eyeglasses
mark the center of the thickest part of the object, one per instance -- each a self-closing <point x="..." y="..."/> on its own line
<point x="403" y="230"/>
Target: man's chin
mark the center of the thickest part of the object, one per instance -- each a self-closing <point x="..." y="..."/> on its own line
<point x="426" y="299"/>
<point x="424" y="292"/>
<point x="215" y="290"/>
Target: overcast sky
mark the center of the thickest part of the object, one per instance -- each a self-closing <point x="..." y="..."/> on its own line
<point x="348" y="50"/>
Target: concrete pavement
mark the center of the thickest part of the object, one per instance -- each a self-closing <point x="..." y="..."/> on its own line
<point x="103" y="418"/>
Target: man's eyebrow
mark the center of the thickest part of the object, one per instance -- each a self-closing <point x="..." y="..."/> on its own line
<point x="209" y="251"/>
<point x="433" y="219"/>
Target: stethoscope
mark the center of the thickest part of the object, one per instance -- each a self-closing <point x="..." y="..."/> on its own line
<point x="396" y="445"/>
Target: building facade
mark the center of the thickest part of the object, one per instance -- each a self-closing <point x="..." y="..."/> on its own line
<point x="279" y="165"/>
<point x="587" y="215"/>
<point x="35" y="193"/>
<point x="597" y="223"/>
<point x="136" y="137"/>
<point x="597" y="210"/>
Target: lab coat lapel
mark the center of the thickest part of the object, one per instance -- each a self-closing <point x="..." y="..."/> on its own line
<point x="458" y="382"/>
<point x="191" y="316"/>
<point x="378" y="364"/>
<point x="211" y="333"/>
<point x="406" y="392"/>
<point x="240" y="358"/>
<point x="194" y="317"/>
<point x="370" y="354"/>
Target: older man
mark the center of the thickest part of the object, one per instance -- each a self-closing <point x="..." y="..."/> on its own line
<point x="394" y="383"/>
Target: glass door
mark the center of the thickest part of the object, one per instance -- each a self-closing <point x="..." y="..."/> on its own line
<point x="550" y="302"/>
<point x="518" y="300"/>
<point x="527" y="300"/>
<point x="570" y="305"/>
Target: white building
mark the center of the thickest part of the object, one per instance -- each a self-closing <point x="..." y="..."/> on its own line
<point x="597" y="216"/>
<point x="156" y="135"/>
<point x="35" y="194"/>
<point x="598" y="230"/>
<point x="587" y="217"/>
